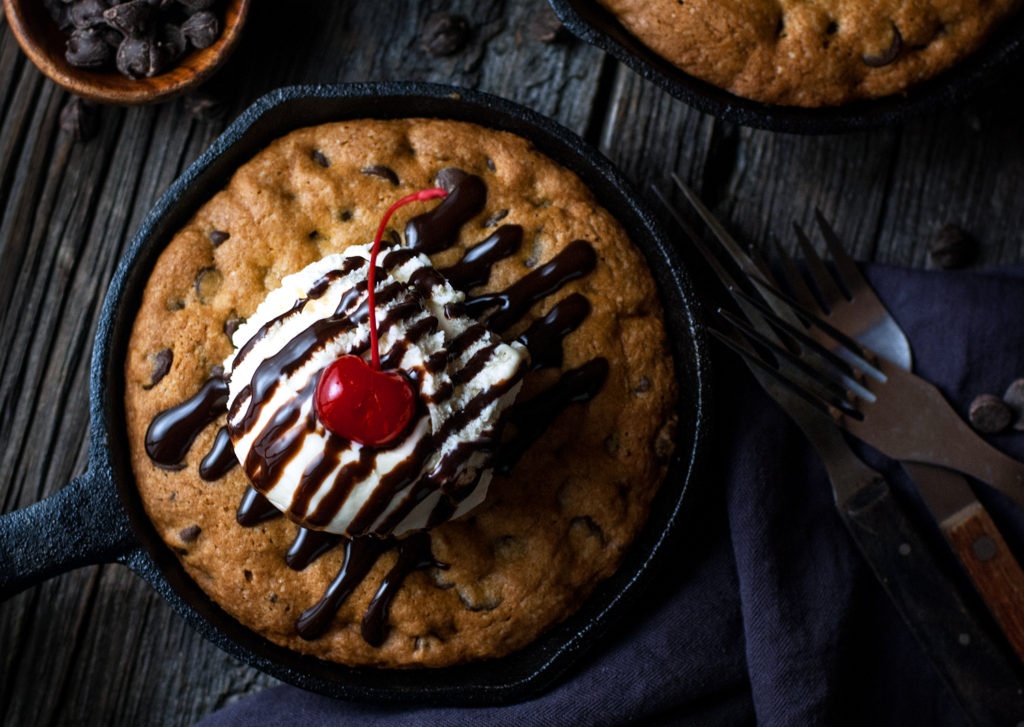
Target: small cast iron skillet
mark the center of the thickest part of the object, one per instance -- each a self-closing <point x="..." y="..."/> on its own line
<point x="592" y="23"/>
<point x="99" y="517"/>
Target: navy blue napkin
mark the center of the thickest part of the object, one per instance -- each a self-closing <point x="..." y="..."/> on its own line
<point x="771" y="615"/>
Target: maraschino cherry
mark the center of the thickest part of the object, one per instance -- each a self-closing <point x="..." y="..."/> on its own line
<point x="357" y="400"/>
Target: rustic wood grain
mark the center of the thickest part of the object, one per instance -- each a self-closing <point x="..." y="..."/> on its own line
<point x="987" y="557"/>
<point x="97" y="646"/>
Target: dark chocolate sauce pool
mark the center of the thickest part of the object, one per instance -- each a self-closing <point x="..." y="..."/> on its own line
<point x="173" y="431"/>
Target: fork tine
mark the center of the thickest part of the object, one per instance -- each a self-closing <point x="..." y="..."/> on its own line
<point x="826" y="385"/>
<point x="795" y="279"/>
<point x="687" y="227"/>
<point x="748" y="354"/>
<point x="732" y="247"/>
<point x="848" y="272"/>
<point x="822" y="276"/>
<point x="697" y="240"/>
<point x="761" y="264"/>
<point x="839" y="364"/>
<point x="863" y="357"/>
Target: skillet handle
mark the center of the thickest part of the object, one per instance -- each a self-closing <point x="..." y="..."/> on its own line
<point x="82" y="524"/>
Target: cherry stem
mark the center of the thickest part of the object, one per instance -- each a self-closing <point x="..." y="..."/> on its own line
<point x="420" y="196"/>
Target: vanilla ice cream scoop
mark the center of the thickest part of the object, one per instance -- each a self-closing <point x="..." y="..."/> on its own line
<point x="464" y="377"/>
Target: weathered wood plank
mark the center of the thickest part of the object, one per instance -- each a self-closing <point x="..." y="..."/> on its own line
<point x="964" y="166"/>
<point x="11" y="61"/>
<point x="887" y="191"/>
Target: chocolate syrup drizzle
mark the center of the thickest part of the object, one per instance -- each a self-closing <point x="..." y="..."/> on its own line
<point x="172" y="432"/>
<point x="220" y="459"/>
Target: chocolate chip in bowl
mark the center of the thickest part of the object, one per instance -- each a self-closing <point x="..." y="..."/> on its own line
<point x="129" y="53"/>
<point x="795" y="68"/>
<point x="154" y="545"/>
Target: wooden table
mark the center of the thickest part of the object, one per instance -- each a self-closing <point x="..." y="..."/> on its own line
<point x="97" y="646"/>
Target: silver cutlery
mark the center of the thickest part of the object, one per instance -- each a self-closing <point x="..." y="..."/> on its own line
<point x="970" y="663"/>
<point x="851" y="306"/>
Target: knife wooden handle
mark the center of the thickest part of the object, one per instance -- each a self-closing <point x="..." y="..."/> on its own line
<point x="994" y="570"/>
<point x="979" y="672"/>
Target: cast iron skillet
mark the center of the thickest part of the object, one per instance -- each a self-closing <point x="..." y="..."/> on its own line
<point x="99" y="517"/>
<point x="591" y="22"/>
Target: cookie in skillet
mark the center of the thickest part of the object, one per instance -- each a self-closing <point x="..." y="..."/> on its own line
<point x="585" y="447"/>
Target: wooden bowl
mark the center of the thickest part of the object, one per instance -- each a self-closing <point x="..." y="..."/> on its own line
<point x="44" y="43"/>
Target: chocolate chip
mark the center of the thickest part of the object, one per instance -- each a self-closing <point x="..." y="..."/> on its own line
<point x="205" y="106"/>
<point x="889" y="55"/>
<point x="439" y="576"/>
<point x="80" y="118"/>
<point x="272" y="598"/>
<point x="989" y="414"/>
<point x="111" y="36"/>
<point x="189" y="534"/>
<point x="642" y="386"/>
<point x="133" y="18"/>
<point x="208" y="282"/>
<point x="171" y="43"/>
<point x="201" y="29"/>
<point x="219" y="237"/>
<point x="345" y="215"/>
<point x="142" y="37"/>
<point x="445" y="34"/>
<point x="162" y="361"/>
<point x="379" y="170"/>
<point x="490" y="165"/>
<point x="87" y="49"/>
<point x="248" y="575"/>
<point x="586" y="526"/>
<point x="87" y="13"/>
<point x="495" y="218"/>
<point x="476" y="597"/>
<point x="135" y="58"/>
<point x="1014" y="397"/>
<point x="231" y="324"/>
<point x="536" y="250"/>
<point x="665" y="441"/>
<point x="508" y="547"/>
<point x="319" y="158"/>
<point x="544" y="25"/>
<point x="952" y="248"/>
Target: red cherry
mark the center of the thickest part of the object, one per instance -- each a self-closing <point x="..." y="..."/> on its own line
<point x="363" y="404"/>
<point x="358" y="401"/>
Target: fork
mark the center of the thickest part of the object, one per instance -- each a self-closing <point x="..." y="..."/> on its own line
<point x="855" y="309"/>
<point x="979" y="677"/>
<point x="889" y="417"/>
